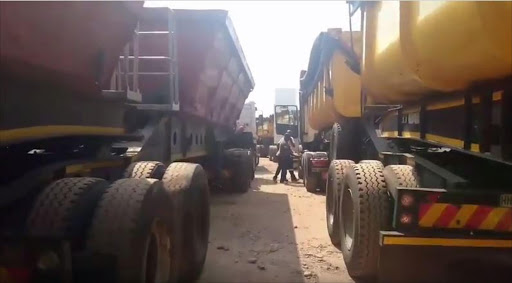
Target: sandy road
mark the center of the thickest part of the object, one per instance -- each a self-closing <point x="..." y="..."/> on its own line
<point x="273" y="233"/>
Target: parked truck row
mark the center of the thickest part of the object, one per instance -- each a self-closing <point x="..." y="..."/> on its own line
<point x="409" y="122"/>
<point x="114" y="123"/>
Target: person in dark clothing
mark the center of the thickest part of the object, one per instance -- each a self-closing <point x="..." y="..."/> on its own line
<point x="285" y="158"/>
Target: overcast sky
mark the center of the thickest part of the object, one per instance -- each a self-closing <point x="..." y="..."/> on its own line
<point x="276" y="37"/>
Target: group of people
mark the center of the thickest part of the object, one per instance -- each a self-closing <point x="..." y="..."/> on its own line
<point x="284" y="155"/>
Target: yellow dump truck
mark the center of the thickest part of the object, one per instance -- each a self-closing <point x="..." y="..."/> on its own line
<point x="415" y="114"/>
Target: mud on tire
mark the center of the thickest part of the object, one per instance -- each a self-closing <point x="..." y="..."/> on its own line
<point x="126" y="225"/>
<point x="186" y="203"/>
<point x="333" y="191"/>
<point x="65" y="207"/>
<point x="145" y="169"/>
<point x="364" y="212"/>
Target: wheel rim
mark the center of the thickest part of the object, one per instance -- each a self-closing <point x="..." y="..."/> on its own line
<point x="152" y="259"/>
<point x="347" y="207"/>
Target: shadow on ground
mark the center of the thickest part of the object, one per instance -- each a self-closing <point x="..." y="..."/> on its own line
<point x="252" y="226"/>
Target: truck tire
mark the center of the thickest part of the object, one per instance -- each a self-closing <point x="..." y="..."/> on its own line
<point x="345" y="140"/>
<point x="306" y="156"/>
<point x="315" y="179"/>
<point x="333" y="191"/>
<point x="65" y="207"/>
<point x="373" y="163"/>
<point x="300" y="171"/>
<point x="272" y="151"/>
<point x="263" y="151"/>
<point x="310" y="180"/>
<point x="145" y="169"/>
<point x="335" y="142"/>
<point x="186" y="204"/>
<point x="364" y="212"/>
<point x="243" y="175"/>
<point x="127" y="226"/>
<point x="400" y="176"/>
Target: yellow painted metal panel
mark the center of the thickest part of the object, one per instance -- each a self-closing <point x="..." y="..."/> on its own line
<point x="482" y="243"/>
<point x="322" y="112"/>
<point x="50" y="131"/>
<point x="345" y="83"/>
<point x="450" y="45"/>
<point x="385" y="75"/>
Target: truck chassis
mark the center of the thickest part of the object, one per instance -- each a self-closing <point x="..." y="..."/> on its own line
<point x="431" y="179"/>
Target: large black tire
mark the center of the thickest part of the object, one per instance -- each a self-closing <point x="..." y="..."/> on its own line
<point x="333" y="191"/>
<point x="300" y="171"/>
<point x="373" y="163"/>
<point x="335" y="142"/>
<point x="364" y="212"/>
<point x="306" y="156"/>
<point x="145" y="169"/>
<point x="400" y="176"/>
<point x="321" y="186"/>
<point x="257" y="158"/>
<point x="272" y="151"/>
<point x="127" y="226"/>
<point x="186" y="202"/>
<point x="243" y="173"/>
<point x="345" y="140"/>
<point x="65" y="208"/>
<point x="310" y="179"/>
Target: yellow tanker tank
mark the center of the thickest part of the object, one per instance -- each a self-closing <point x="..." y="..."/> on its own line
<point x="385" y="76"/>
<point x="450" y="45"/>
<point x="414" y="49"/>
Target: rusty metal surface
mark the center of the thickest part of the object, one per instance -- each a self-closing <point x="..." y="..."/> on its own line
<point x="212" y="73"/>
<point x="71" y="45"/>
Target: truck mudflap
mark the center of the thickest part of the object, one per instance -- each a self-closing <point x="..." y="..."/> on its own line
<point x="405" y="258"/>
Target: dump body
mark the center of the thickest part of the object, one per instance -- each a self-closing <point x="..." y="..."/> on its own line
<point x="213" y="76"/>
<point x="71" y="45"/>
<point x="338" y="90"/>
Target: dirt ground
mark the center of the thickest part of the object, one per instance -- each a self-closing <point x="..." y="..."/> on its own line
<point x="273" y="233"/>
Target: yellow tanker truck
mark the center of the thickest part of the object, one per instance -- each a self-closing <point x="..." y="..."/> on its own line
<point x="415" y="115"/>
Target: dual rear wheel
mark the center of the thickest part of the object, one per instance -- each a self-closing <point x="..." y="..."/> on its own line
<point x="155" y="230"/>
<point x="358" y="207"/>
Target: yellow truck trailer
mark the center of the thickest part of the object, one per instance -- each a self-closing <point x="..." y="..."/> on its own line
<point x="416" y="112"/>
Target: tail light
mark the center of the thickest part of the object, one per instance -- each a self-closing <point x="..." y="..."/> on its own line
<point x="410" y="206"/>
<point x="407" y="200"/>
<point x="406" y="218"/>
